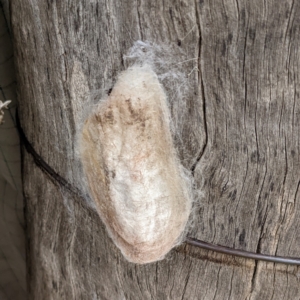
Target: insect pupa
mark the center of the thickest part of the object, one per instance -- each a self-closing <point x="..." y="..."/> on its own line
<point x="132" y="169"/>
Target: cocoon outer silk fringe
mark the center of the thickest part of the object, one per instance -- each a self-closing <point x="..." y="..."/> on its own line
<point x="132" y="169"/>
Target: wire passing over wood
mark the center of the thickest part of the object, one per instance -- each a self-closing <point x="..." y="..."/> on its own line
<point x="189" y="240"/>
<point x="242" y="253"/>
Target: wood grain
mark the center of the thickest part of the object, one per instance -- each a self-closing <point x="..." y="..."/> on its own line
<point x="238" y="134"/>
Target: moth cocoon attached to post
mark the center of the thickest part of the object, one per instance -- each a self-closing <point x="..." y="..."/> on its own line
<point x="132" y="169"/>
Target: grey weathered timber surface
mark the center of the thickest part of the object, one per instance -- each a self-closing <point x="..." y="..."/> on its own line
<point x="239" y="135"/>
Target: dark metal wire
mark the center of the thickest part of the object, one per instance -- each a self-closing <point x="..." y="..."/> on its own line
<point x="191" y="241"/>
<point x="242" y="253"/>
<point x="39" y="161"/>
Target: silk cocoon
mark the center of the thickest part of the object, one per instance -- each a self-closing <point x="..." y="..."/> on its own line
<point x="133" y="173"/>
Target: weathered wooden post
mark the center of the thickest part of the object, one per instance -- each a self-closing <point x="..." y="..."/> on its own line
<point x="237" y="131"/>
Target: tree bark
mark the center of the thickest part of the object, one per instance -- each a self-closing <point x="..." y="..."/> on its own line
<point x="238" y="134"/>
